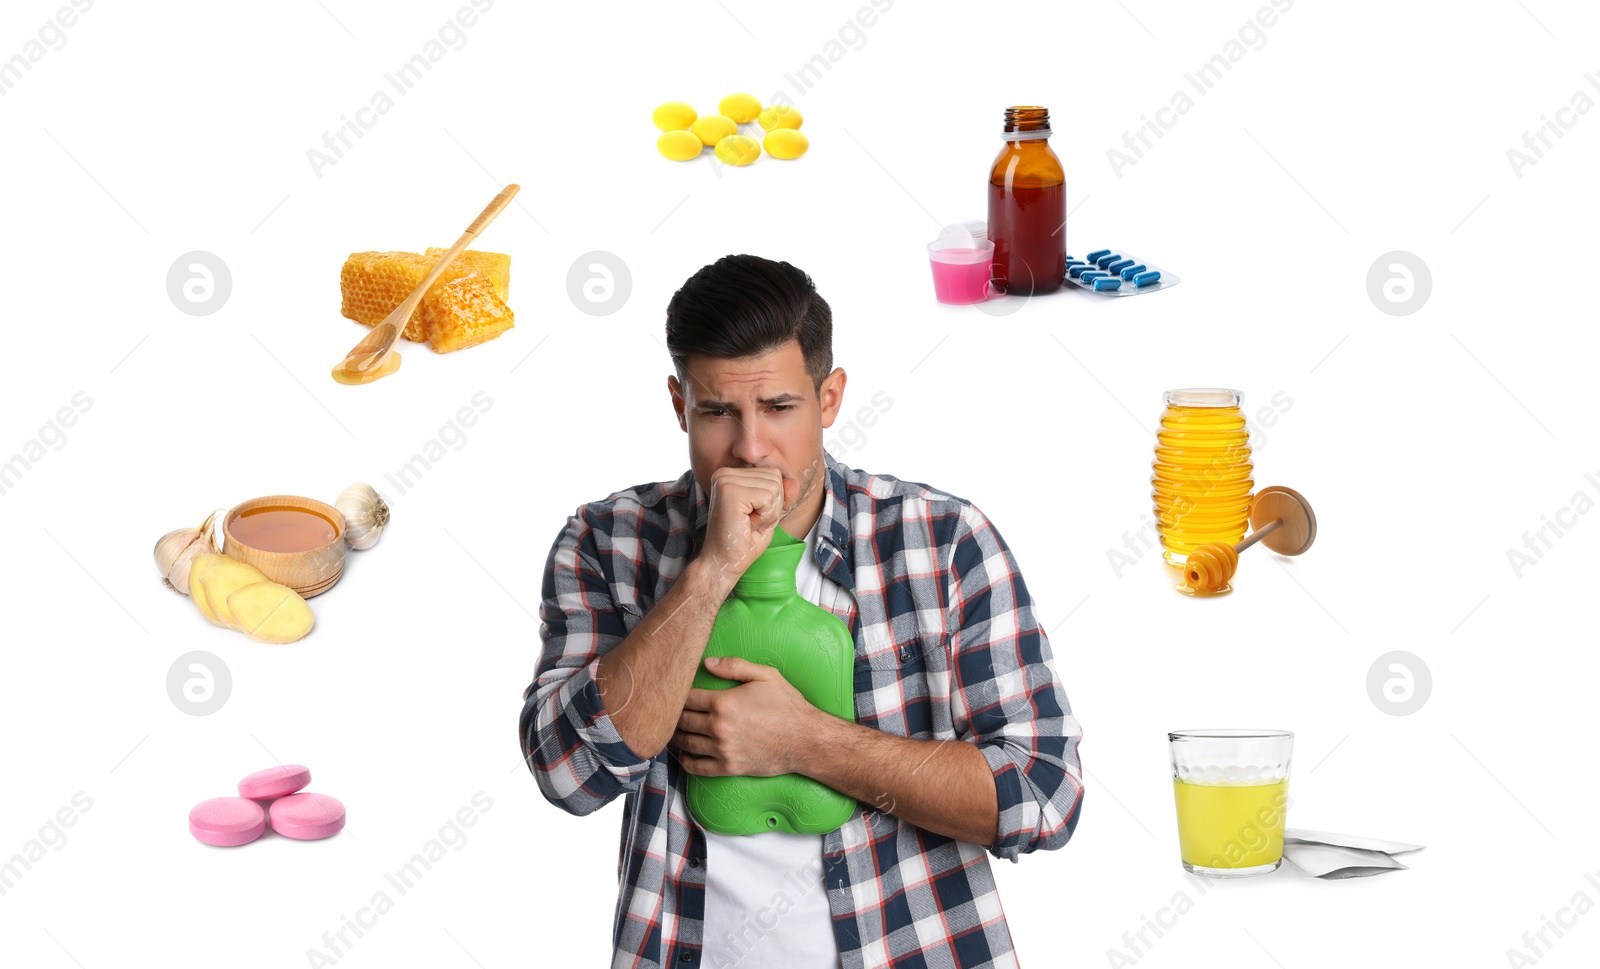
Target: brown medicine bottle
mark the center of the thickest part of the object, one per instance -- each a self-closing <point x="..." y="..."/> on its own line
<point x="1028" y="207"/>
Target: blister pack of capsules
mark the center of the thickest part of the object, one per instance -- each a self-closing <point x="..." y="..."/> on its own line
<point x="1115" y="273"/>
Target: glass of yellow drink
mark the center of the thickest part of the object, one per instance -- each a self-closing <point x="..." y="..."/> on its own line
<point x="1232" y="793"/>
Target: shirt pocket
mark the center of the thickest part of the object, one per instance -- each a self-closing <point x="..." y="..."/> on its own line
<point x="879" y="650"/>
<point x="882" y="651"/>
<point x="896" y="683"/>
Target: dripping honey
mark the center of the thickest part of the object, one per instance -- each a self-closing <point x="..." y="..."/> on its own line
<point x="279" y="528"/>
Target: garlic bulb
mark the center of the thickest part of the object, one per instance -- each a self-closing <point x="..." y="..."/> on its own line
<point x="177" y="549"/>
<point x="364" y="513"/>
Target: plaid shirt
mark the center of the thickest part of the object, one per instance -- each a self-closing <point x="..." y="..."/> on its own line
<point x="947" y="647"/>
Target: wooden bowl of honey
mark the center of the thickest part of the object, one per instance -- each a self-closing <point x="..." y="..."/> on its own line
<point x="294" y="541"/>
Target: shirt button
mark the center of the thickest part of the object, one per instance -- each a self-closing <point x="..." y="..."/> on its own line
<point x="686" y="957"/>
<point x="694" y="862"/>
<point x="905" y="653"/>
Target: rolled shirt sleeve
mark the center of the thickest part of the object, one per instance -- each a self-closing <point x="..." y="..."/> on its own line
<point x="568" y="739"/>
<point x="1007" y="691"/>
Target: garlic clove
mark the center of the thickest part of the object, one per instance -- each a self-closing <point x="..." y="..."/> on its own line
<point x="173" y="556"/>
<point x="365" y="515"/>
<point x="177" y="549"/>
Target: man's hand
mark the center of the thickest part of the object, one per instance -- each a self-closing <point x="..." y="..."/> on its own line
<point x="764" y="727"/>
<point x="755" y="729"/>
<point x="746" y="505"/>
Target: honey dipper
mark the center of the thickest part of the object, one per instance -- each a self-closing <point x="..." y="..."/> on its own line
<point x="1280" y="518"/>
<point x="369" y="355"/>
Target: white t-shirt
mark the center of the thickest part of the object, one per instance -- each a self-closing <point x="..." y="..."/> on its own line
<point x="766" y="907"/>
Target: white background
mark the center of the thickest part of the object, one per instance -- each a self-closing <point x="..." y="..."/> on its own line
<point x="1428" y="443"/>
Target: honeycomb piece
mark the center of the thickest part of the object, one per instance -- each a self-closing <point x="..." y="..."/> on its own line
<point x="466" y="313"/>
<point x="495" y="265"/>
<point x="372" y="284"/>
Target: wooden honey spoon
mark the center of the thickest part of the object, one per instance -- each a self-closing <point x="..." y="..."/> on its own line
<point x="1280" y="518"/>
<point x="374" y="356"/>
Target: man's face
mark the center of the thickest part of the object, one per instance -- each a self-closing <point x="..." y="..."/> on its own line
<point x="761" y="411"/>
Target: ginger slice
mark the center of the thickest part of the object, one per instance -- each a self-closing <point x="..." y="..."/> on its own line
<point x="197" y="591"/>
<point x="270" y="613"/>
<point x="214" y="577"/>
<point x="220" y="581"/>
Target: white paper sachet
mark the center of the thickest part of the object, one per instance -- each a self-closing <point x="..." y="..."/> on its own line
<point x="1332" y="861"/>
<point x="1323" y="854"/>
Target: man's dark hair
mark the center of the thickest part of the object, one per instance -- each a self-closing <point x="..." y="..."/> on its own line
<point x="741" y="306"/>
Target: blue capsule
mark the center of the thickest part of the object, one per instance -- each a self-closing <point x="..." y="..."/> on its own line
<point x="1111" y="271"/>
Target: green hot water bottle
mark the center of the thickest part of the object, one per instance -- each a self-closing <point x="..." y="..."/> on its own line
<point x="767" y="621"/>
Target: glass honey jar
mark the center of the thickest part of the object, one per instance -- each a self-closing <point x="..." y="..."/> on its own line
<point x="1200" y="478"/>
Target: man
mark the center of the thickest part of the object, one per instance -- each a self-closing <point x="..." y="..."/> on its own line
<point x="963" y="740"/>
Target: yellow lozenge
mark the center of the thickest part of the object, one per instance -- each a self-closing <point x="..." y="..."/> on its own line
<point x="785" y="143"/>
<point x="1200" y="478"/>
<point x="738" y="150"/>
<point x="712" y="128"/>
<point x="780" y="116"/>
<point x="680" y="145"/>
<point x="741" y="107"/>
<point x="674" y="116"/>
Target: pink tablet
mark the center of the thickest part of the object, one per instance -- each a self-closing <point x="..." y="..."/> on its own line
<point x="274" y="782"/>
<point x="229" y="821"/>
<point x="307" y="816"/>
